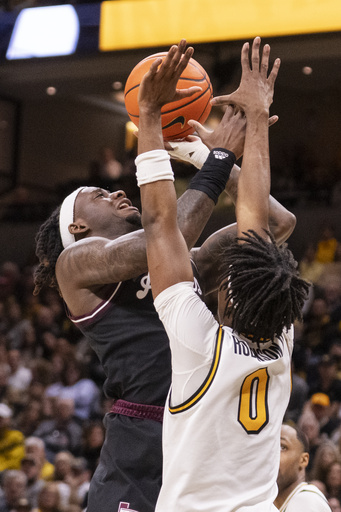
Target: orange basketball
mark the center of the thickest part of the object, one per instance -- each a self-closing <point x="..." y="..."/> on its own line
<point x="174" y="115"/>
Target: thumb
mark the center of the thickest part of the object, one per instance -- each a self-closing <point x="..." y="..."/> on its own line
<point x="198" y="128"/>
<point x="222" y="100"/>
<point x="273" y="120"/>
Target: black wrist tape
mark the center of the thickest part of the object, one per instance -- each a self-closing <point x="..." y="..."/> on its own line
<point x="215" y="172"/>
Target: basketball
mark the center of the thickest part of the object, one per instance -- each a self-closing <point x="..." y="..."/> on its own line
<point x="174" y="115"/>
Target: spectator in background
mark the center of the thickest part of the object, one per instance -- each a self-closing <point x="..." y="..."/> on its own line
<point x="294" y="493"/>
<point x="333" y="480"/>
<point x="327" y="245"/>
<point x="74" y="385"/>
<point x="334" y="504"/>
<point x="49" y="498"/>
<point x="18" y="327"/>
<point x="62" y="466"/>
<point x="11" y="441"/>
<point x="30" y="417"/>
<point x="315" y="322"/>
<point x="19" y="378"/>
<point x="4" y="374"/>
<point x="61" y="432"/>
<point x="93" y="439"/>
<point x="310" y="268"/>
<point x="63" y="475"/>
<point x="326" y="454"/>
<point x="311" y="428"/>
<point x="80" y="479"/>
<point x="322" y="377"/>
<point x="30" y="465"/>
<point x="24" y="505"/>
<point x="14" y="489"/>
<point x="36" y="447"/>
<point x="298" y="397"/>
<point x="45" y="324"/>
<point x="9" y="280"/>
<point x="325" y="413"/>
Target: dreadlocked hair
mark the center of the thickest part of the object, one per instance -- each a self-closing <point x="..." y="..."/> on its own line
<point x="263" y="284"/>
<point x="48" y="248"/>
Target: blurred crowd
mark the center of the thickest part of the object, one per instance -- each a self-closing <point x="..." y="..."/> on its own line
<point x="52" y="405"/>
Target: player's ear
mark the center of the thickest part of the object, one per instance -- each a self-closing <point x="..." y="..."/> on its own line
<point x="304" y="460"/>
<point x="78" y="227"/>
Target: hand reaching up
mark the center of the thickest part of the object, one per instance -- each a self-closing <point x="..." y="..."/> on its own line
<point x="256" y="89"/>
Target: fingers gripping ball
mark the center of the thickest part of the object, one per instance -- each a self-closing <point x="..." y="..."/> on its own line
<point x="174" y="115"/>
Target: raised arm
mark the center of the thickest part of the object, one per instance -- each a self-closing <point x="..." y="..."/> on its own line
<point x="281" y="223"/>
<point x="254" y="96"/>
<point x="167" y="253"/>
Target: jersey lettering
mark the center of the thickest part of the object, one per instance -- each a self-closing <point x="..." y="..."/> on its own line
<point x="145" y="285"/>
<point x="253" y="413"/>
<point x="241" y="348"/>
<point x="196" y="287"/>
<point x="124" y="507"/>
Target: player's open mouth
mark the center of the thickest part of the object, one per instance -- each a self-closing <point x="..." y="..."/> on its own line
<point x="126" y="203"/>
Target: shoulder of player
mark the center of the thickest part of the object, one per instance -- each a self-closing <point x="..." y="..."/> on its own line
<point x="307" y="494"/>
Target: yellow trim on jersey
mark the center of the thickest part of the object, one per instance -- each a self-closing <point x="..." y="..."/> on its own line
<point x="207" y="382"/>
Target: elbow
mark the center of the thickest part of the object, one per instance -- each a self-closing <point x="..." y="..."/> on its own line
<point x="285" y="228"/>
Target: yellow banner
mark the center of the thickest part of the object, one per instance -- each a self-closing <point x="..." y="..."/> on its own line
<point x="128" y="24"/>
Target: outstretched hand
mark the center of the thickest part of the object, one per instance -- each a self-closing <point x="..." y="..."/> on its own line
<point x="229" y="134"/>
<point x="223" y="135"/>
<point x="158" y="85"/>
<point x="256" y="89"/>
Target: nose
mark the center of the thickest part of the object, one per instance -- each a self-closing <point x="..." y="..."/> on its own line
<point x="117" y="194"/>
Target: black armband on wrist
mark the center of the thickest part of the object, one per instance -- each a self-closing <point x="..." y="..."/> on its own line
<point x="215" y="172"/>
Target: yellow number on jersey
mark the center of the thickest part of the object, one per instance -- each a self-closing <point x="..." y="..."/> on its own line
<point x="253" y="412"/>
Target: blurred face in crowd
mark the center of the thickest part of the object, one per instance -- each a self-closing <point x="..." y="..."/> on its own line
<point x="334" y="504"/>
<point x="14" y="488"/>
<point x="31" y="467"/>
<point x="333" y="479"/>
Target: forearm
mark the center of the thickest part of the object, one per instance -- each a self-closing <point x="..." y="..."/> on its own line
<point x="252" y="208"/>
<point x="281" y="221"/>
<point x="203" y="193"/>
<point x="194" y="210"/>
<point x="150" y="131"/>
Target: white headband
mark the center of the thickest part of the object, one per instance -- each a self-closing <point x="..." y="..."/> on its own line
<point x="66" y="217"/>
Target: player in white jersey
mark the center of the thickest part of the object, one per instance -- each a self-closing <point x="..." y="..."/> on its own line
<point x="294" y="493"/>
<point x="230" y="382"/>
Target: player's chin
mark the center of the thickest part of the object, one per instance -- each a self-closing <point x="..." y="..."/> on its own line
<point x="134" y="218"/>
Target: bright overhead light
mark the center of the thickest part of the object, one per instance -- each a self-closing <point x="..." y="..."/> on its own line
<point x="51" y="91"/>
<point x="44" y="32"/>
<point x="117" y="86"/>
<point x="307" y="70"/>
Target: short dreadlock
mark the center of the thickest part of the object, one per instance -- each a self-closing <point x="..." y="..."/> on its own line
<point x="262" y="280"/>
<point x="48" y="248"/>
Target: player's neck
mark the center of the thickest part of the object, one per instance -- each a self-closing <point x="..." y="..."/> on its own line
<point x="284" y="493"/>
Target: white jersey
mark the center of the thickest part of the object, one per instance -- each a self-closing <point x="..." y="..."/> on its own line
<point x="305" y="498"/>
<point x="221" y="433"/>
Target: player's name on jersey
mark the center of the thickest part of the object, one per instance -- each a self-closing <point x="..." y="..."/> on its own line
<point x="242" y="348"/>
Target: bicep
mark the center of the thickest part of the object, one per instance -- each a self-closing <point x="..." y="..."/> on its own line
<point x="99" y="261"/>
